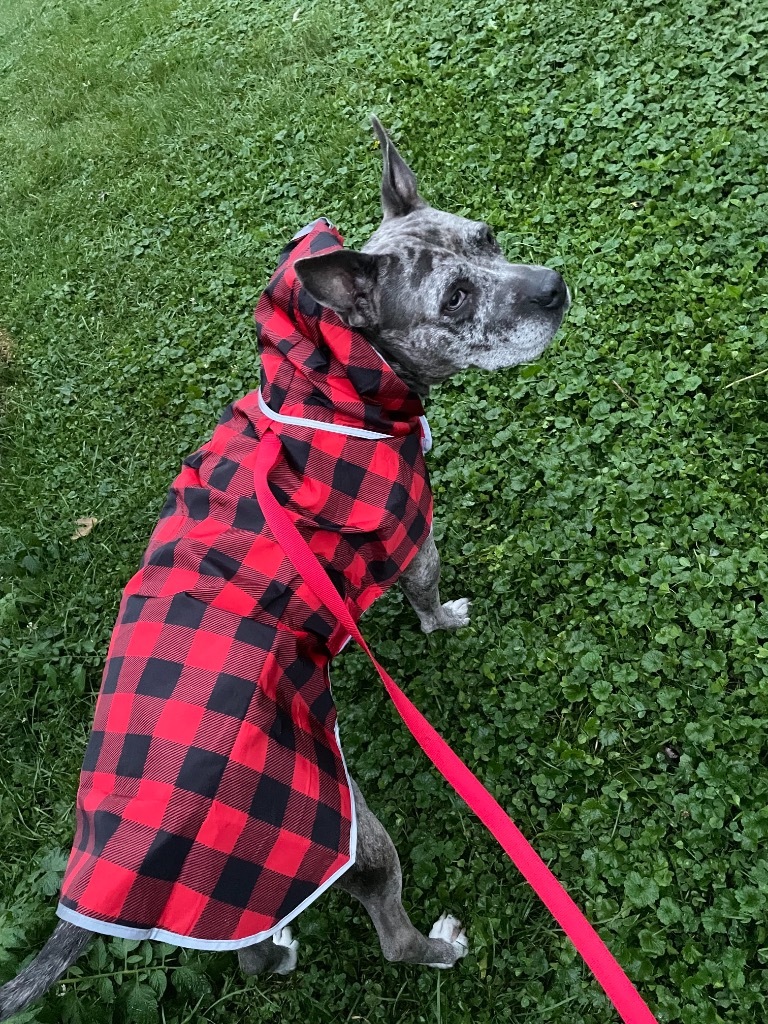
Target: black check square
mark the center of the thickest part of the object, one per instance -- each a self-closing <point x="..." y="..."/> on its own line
<point x="113" y="669"/>
<point x="104" y="827"/>
<point x="297" y="451"/>
<point x="198" y="502"/>
<point x="324" y="758"/>
<point x="300" y="671"/>
<point x="277" y="396"/>
<point x="248" y="515"/>
<point x="236" y="882"/>
<point x="298" y="891"/>
<point x="327" y="827"/>
<point x="317" y="624"/>
<point x="133" y="755"/>
<point x="216" y="563"/>
<point x="308" y="306"/>
<point x="132" y="608"/>
<point x="318" y="402"/>
<point x="270" y="801"/>
<point x="417" y="527"/>
<point x="276" y="598"/>
<point x="186" y="611"/>
<point x="348" y="477"/>
<point x="159" y="677"/>
<point x="231" y="696"/>
<point x="164" y="555"/>
<point x="255" y="634"/>
<point x="170" y="507"/>
<point x="381" y="569"/>
<point x="165" y="857"/>
<point x="322" y="241"/>
<point x="397" y="500"/>
<point x="367" y="380"/>
<point x="282" y="731"/>
<point x="221" y="477"/>
<point x="201" y="772"/>
<point x="92" y="751"/>
<point x="322" y="705"/>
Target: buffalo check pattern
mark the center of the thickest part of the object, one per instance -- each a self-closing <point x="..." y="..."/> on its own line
<point x="214" y="802"/>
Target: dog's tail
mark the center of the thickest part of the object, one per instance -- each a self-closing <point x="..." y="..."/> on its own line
<point x="60" y="951"/>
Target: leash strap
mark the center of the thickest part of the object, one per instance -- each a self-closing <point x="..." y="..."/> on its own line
<point x="617" y="986"/>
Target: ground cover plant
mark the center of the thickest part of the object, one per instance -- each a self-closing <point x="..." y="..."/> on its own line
<point x="605" y="507"/>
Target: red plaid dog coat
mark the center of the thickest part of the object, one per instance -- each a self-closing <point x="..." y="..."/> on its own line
<point x="214" y="802"/>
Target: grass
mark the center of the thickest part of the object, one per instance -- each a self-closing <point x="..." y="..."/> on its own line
<point x="604" y="508"/>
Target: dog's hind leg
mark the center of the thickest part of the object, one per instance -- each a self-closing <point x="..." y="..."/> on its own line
<point x="376" y="881"/>
<point x="277" y="955"/>
<point x="420" y="582"/>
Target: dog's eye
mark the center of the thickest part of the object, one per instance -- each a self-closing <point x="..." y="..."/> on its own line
<point x="456" y="300"/>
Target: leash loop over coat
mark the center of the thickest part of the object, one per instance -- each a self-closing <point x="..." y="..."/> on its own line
<point x="617" y="986"/>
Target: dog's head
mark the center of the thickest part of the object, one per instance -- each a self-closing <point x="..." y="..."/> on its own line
<point x="433" y="291"/>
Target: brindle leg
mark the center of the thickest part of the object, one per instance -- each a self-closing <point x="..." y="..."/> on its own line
<point x="277" y="955"/>
<point x="376" y="881"/>
<point x="420" y="583"/>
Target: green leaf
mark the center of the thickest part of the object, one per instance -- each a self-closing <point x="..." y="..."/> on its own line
<point x="191" y="982"/>
<point x="158" y="981"/>
<point x="640" y="891"/>
<point x="652" y="942"/>
<point x="106" y="990"/>
<point x="141" y="1005"/>
<point x="591" y="661"/>
<point x="668" y="912"/>
<point x="652" y="661"/>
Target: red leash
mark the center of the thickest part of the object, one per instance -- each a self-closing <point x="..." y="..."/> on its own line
<point x="614" y="981"/>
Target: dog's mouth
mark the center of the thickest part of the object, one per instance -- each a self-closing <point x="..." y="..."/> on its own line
<point x="525" y="345"/>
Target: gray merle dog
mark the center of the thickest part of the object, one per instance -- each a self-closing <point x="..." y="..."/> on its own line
<point x="434" y="295"/>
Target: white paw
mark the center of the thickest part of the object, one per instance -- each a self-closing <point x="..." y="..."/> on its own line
<point x="452" y="615"/>
<point x="457" y="612"/>
<point x="449" y="929"/>
<point x="285" y="938"/>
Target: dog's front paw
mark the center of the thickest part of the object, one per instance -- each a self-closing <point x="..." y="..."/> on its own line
<point x="449" y="929"/>
<point x="285" y="939"/>
<point x="452" y="615"/>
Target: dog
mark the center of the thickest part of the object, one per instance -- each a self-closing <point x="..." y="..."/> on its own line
<point x="428" y="296"/>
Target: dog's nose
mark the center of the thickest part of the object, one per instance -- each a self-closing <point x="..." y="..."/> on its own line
<point x="549" y="291"/>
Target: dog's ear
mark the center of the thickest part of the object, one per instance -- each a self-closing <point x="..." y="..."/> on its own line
<point x="399" y="192"/>
<point x="345" y="281"/>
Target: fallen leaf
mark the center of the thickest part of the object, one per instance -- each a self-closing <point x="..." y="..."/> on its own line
<point x="84" y="527"/>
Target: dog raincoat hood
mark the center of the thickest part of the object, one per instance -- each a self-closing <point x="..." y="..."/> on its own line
<point x="214" y="802"/>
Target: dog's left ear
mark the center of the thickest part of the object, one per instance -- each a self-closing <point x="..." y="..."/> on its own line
<point x="399" y="191"/>
<point x="345" y="281"/>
